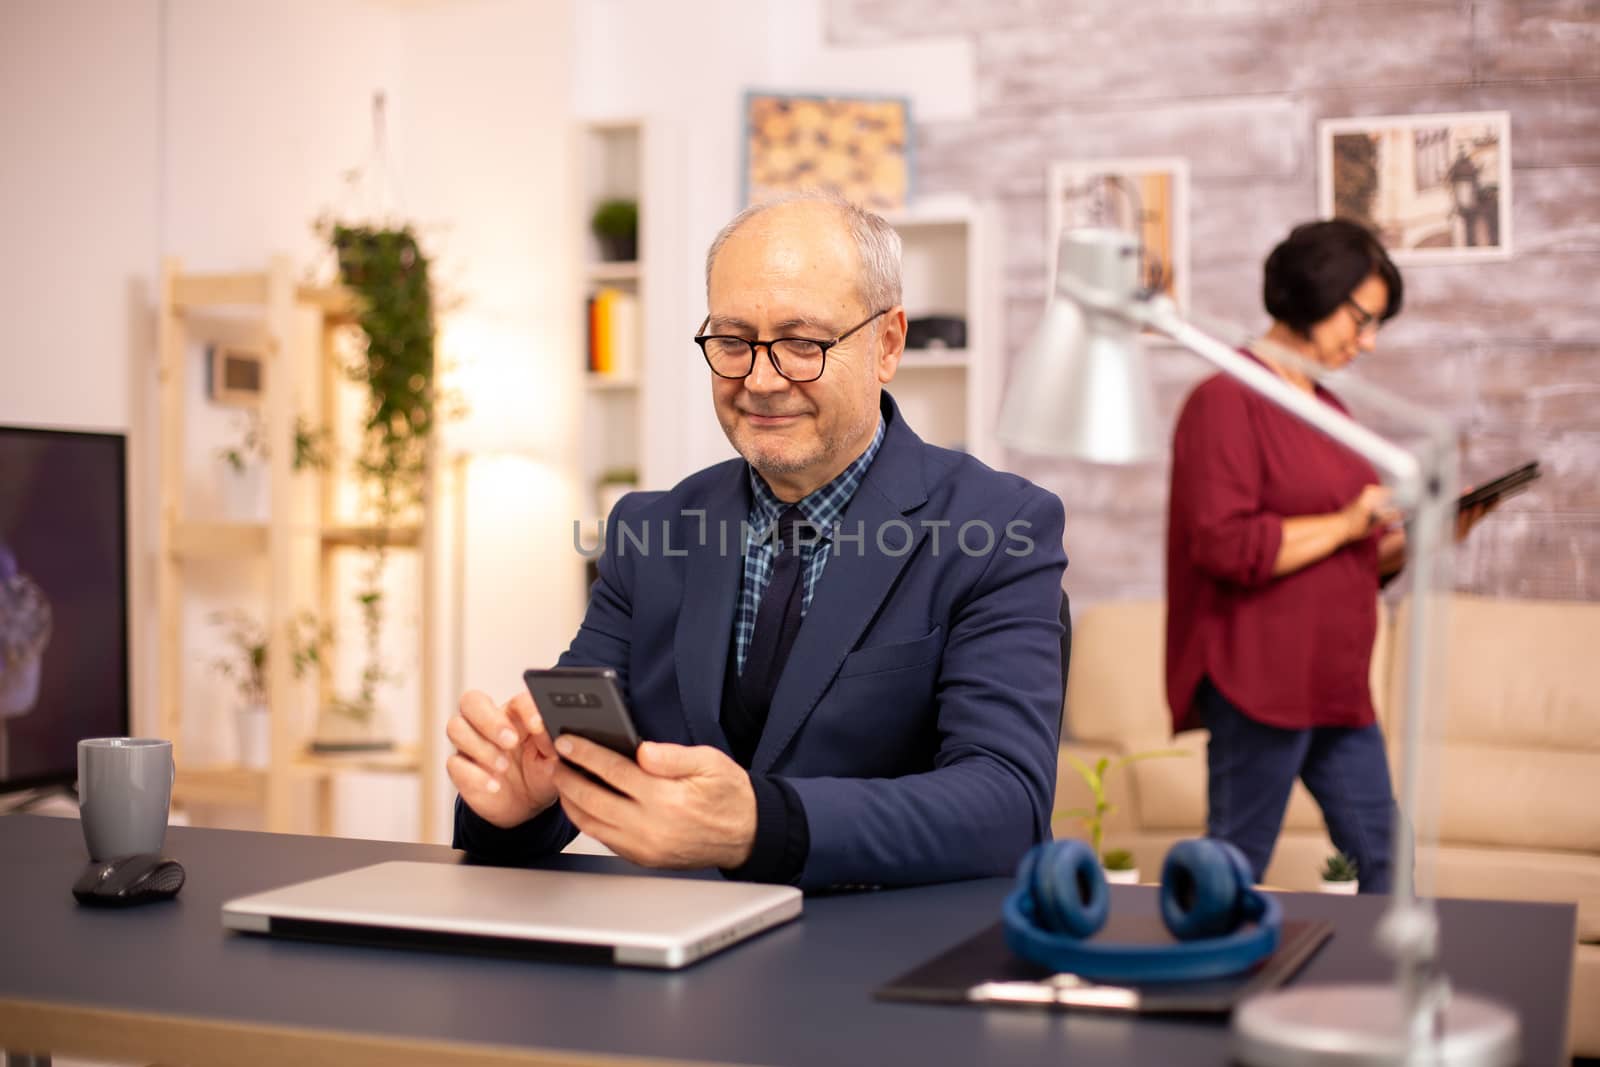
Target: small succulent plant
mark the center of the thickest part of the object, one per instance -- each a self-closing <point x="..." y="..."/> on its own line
<point x="1339" y="868"/>
<point x="1117" y="859"/>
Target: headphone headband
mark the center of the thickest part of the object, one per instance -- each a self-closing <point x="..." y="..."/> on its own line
<point x="1181" y="961"/>
<point x="1061" y="901"/>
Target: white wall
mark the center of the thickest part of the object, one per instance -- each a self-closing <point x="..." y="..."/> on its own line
<point x="79" y="134"/>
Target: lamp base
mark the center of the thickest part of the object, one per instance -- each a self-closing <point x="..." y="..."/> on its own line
<point x="1348" y="1025"/>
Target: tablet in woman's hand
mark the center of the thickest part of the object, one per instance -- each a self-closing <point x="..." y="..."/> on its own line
<point x="1507" y="485"/>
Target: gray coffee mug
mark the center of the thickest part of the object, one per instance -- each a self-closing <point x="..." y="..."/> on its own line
<point x="124" y="793"/>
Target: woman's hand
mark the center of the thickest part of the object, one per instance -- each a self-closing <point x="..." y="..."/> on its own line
<point x="1369" y="511"/>
<point x="1467" y="518"/>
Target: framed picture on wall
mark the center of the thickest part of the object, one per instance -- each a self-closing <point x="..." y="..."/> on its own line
<point x="859" y="146"/>
<point x="1148" y="197"/>
<point x="1435" y="188"/>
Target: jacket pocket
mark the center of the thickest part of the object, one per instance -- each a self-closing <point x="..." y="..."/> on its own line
<point x="880" y="658"/>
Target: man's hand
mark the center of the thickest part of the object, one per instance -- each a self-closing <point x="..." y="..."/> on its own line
<point x="677" y="807"/>
<point x="504" y="763"/>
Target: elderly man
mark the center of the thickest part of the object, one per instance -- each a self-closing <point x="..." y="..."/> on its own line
<point x="844" y="653"/>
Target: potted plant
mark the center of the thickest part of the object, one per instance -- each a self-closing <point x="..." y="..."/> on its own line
<point x="1339" y="874"/>
<point x="1093" y="818"/>
<point x="615" y="224"/>
<point x="243" y="486"/>
<point x="246" y="667"/>
<point x="1120" y="867"/>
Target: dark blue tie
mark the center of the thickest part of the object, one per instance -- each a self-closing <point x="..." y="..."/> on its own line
<point x="777" y="621"/>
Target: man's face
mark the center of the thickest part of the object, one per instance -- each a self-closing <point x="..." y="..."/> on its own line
<point x="793" y="272"/>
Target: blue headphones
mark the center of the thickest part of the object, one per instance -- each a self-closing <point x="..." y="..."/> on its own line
<point x="1207" y="892"/>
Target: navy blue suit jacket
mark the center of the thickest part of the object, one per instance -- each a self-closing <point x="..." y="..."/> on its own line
<point x="919" y="713"/>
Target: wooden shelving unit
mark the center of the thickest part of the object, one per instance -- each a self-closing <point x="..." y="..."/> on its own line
<point x="951" y="395"/>
<point x="297" y="327"/>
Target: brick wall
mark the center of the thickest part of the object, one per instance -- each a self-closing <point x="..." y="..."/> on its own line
<point x="1511" y="349"/>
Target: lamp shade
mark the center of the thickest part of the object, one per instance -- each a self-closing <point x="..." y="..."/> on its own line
<point x="1081" y="387"/>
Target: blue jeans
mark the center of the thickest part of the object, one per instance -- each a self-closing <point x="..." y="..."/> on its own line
<point x="1251" y="768"/>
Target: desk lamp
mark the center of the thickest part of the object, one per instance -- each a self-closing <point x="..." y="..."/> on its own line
<point x="1081" y="389"/>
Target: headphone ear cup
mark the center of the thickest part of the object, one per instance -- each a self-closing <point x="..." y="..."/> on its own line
<point x="1203" y="885"/>
<point x="1068" y="888"/>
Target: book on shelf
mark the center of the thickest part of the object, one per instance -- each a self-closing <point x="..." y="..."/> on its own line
<point x="613" y="334"/>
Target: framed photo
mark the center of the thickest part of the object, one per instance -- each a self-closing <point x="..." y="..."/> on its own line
<point x="859" y="146"/>
<point x="1146" y="196"/>
<point x="1435" y="188"/>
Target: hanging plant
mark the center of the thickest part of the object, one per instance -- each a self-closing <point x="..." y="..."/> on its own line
<point x="387" y="272"/>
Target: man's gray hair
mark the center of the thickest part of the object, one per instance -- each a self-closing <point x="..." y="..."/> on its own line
<point x="877" y="243"/>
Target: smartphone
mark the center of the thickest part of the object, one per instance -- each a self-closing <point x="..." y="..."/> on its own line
<point x="1506" y="485"/>
<point x="586" y="701"/>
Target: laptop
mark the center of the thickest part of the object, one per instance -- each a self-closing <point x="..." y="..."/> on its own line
<point x="628" y="919"/>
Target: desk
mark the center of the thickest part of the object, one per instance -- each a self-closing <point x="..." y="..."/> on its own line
<point x="167" y="983"/>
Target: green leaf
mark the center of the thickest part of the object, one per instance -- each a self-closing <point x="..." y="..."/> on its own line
<point x="1089" y="777"/>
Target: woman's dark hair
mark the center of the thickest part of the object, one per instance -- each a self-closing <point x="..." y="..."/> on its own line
<point x="1318" y="266"/>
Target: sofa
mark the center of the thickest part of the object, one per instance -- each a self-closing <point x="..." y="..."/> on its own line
<point x="1516" y="765"/>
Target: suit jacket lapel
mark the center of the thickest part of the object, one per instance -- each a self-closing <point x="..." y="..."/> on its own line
<point x="854" y="583"/>
<point x="712" y="574"/>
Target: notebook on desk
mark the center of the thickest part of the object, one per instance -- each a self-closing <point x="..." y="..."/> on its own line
<point x="983" y="970"/>
<point x="627" y="919"/>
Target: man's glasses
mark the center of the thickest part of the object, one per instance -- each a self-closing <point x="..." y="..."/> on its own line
<point x="799" y="359"/>
<point x="1366" y="321"/>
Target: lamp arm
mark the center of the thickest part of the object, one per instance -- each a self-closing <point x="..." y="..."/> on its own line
<point x="1400" y="465"/>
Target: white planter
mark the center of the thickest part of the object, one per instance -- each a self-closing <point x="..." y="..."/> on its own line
<point x="1347" y="889"/>
<point x="242" y="495"/>
<point x="1123" y="877"/>
<point x="255" y="736"/>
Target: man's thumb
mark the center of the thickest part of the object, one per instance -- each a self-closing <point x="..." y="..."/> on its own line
<point x="668" y="761"/>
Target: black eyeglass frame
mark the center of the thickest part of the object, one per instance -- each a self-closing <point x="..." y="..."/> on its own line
<point x="1365" y="320"/>
<point x="772" y="356"/>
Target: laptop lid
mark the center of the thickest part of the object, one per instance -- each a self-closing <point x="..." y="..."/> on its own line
<point x="630" y="919"/>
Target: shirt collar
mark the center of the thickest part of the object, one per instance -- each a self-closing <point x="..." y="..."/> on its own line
<point x="821" y="507"/>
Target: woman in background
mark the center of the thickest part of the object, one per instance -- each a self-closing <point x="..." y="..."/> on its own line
<point x="1277" y="540"/>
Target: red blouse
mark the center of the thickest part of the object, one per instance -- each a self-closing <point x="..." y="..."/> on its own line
<point x="1292" y="652"/>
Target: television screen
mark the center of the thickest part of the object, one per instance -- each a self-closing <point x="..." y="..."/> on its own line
<point x="63" y="600"/>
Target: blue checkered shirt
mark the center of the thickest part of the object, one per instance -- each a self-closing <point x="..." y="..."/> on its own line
<point x="822" y="509"/>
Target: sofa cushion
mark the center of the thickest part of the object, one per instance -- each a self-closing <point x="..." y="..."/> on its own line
<point x="1116" y="688"/>
<point x="1515" y="796"/>
<point x="1517" y="874"/>
<point x="1518" y="672"/>
<point x="1517" y="731"/>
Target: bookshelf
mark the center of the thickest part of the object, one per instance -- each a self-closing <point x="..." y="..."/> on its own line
<point x="949" y="395"/>
<point x="306" y="529"/>
<point x="612" y="155"/>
